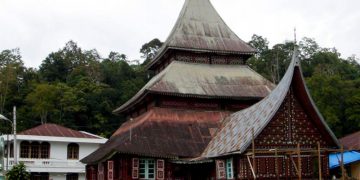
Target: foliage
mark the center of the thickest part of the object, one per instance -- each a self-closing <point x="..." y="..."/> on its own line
<point x="149" y="50"/>
<point x="79" y="89"/>
<point x="18" y="172"/>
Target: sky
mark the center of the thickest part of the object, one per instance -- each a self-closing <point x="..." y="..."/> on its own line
<point x="39" y="27"/>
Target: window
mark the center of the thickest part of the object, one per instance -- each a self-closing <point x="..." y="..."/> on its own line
<point x="72" y="176"/>
<point x="34" y="150"/>
<point x="147" y="169"/>
<point x="229" y="169"/>
<point x="25" y="149"/>
<point x="73" y="151"/>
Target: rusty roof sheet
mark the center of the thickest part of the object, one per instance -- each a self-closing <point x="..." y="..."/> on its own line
<point x="49" y="129"/>
<point x="236" y="134"/>
<point x="162" y="132"/>
<point x="351" y="141"/>
<point x="200" y="28"/>
<point x="206" y="80"/>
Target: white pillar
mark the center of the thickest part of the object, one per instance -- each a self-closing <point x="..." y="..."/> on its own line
<point x="15" y="145"/>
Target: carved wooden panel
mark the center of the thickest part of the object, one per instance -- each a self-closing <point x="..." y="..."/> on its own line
<point x="290" y="126"/>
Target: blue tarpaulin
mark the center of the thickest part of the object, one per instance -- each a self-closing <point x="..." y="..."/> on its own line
<point x="349" y="157"/>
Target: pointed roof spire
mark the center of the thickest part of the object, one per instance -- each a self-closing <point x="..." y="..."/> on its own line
<point x="200" y="28"/>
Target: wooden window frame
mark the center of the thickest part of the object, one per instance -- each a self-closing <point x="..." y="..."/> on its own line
<point x="146" y="174"/>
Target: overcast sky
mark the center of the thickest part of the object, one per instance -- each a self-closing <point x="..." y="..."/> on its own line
<point x="39" y="27"/>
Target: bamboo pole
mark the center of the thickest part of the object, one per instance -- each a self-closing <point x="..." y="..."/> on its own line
<point x="342" y="163"/>
<point x="253" y="150"/>
<point x="276" y="165"/>
<point x="294" y="164"/>
<point x="299" y="161"/>
<point x="251" y="167"/>
<point x="319" y="160"/>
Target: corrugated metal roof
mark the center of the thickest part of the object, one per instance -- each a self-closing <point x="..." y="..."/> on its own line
<point x="348" y="157"/>
<point x="206" y="80"/>
<point x="200" y="28"/>
<point x="236" y="134"/>
<point x="56" y="130"/>
<point x="351" y="141"/>
<point x="163" y="132"/>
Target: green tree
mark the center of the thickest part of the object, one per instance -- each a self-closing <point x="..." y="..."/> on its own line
<point x="11" y="68"/>
<point x="70" y="60"/>
<point x="18" y="172"/>
<point x="43" y="100"/>
<point x="149" y="50"/>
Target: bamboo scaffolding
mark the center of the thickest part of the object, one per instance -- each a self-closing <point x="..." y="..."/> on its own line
<point x="276" y="165"/>
<point x="251" y="167"/>
<point x="319" y="160"/>
<point x="342" y="163"/>
<point x="299" y="161"/>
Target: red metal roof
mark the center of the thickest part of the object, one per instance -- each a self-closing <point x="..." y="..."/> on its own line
<point x="162" y="132"/>
<point x="351" y="141"/>
<point x="55" y="130"/>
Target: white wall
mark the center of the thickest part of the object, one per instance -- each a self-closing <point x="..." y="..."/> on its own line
<point x="86" y="149"/>
<point x="58" y="150"/>
<point x="58" y="165"/>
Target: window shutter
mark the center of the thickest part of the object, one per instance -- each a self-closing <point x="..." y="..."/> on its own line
<point x="220" y="169"/>
<point x="100" y="171"/>
<point x="135" y="168"/>
<point x="229" y="169"/>
<point x="110" y="174"/>
<point x="160" y="169"/>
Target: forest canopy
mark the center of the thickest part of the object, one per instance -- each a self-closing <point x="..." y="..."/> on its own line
<point x="79" y="89"/>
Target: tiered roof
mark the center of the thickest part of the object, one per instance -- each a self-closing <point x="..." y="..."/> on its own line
<point x="205" y="80"/>
<point x="200" y="28"/>
<point x="168" y="133"/>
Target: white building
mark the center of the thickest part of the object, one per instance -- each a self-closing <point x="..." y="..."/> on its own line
<point x="52" y="152"/>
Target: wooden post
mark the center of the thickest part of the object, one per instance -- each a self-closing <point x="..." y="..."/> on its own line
<point x="253" y="150"/>
<point x="276" y="165"/>
<point x="319" y="160"/>
<point x="299" y="161"/>
<point x="342" y="163"/>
